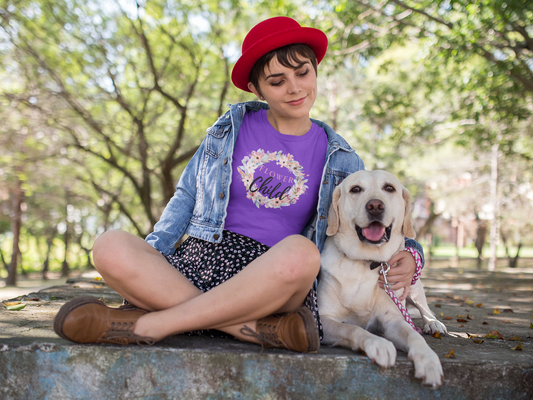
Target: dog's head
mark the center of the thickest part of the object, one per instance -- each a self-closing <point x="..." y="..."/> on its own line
<point x="369" y="215"/>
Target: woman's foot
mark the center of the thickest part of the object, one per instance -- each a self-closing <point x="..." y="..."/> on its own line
<point x="294" y="331"/>
<point x="88" y="320"/>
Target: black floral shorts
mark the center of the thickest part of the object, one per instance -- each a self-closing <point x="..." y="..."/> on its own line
<point x="208" y="264"/>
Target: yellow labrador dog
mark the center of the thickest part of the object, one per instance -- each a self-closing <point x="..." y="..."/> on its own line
<point x="368" y="220"/>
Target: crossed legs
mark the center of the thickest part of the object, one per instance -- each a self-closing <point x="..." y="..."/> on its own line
<point x="278" y="281"/>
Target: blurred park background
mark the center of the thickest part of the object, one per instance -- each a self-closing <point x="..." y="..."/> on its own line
<point x="102" y="103"/>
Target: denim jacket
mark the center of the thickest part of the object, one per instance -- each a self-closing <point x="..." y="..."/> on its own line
<point x="199" y="204"/>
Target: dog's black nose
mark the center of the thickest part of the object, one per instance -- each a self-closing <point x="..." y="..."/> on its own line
<point x="375" y="207"/>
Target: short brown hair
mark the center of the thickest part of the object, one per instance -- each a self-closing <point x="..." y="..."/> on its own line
<point x="289" y="56"/>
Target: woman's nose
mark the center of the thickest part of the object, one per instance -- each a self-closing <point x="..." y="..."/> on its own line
<point x="293" y="86"/>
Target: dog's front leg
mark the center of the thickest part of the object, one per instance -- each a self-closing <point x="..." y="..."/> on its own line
<point x="404" y="337"/>
<point x="418" y="298"/>
<point x="379" y="350"/>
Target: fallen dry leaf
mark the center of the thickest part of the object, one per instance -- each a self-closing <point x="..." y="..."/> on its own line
<point x="496" y="311"/>
<point x="515" y="338"/>
<point x="494" y="335"/>
<point x="484" y="323"/>
<point x="469" y="301"/>
<point x="469" y="317"/>
<point x="460" y="316"/>
<point x="450" y="354"/>
<point x="437" y="335"/>
<point x="461" y="326"/>
<point x="479" y="305"/>
<point x="97" y="278"/>
<point x="531" y="325"/>
<point x="517" y="348"/>
<point x="442" y="314"/>
<point x="506" y="321"/>
<point x="437" y="305"/>
<point x="478" y="341"/>
<point x="448" y="317"/>
<point x="470" y="335"/>
<point x="11" y="303"/>
<point x="508" y="310"/>
<point x="461" y="320"/>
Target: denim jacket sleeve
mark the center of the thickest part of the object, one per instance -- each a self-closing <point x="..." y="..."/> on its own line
<point x="417" y="246"/>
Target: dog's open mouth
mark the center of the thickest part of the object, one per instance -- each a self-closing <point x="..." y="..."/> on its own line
<point x="374" y="233"/>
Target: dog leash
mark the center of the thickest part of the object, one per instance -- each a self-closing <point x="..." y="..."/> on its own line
<point x="385" y="267"/>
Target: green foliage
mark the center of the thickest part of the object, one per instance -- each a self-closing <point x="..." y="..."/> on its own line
<point x="475" y="54"/>
<point x="129" y="91"/>
<point x="102" y="104"/>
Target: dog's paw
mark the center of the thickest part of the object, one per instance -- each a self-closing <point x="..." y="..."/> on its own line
<point x="379" y="350"/>
<point x="433" y="326"/>
<point x="427" y="367"/>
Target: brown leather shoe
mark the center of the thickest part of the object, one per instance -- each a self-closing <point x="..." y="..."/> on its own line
<point x="294" y="331"/>
<point x="88" y="320"/>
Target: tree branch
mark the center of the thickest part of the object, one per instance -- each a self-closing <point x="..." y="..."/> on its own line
<point x="422" y="12"/>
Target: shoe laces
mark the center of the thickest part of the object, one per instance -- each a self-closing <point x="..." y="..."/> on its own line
<point x="266" y="335"/>
<point x="121" y="333"/>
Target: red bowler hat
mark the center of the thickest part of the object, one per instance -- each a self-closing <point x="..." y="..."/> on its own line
<point x="269" y="35"/>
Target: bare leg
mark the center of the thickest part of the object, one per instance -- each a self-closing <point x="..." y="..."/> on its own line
<point x="278" y="281"/>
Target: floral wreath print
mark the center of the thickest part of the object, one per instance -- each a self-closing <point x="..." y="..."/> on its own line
<point x="260" y="157"/>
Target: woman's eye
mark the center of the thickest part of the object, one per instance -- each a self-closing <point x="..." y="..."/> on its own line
<point x="276" y="83"/>
<point x="304" y="73"/>
<point x="356" y="189"/>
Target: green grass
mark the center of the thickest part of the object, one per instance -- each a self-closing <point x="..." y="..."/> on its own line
<point x="471" y="251"/>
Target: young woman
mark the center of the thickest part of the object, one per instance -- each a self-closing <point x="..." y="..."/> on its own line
<point x="253" y="201"/>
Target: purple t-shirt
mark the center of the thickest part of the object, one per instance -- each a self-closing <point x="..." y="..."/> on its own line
<point x="276" y="178"/>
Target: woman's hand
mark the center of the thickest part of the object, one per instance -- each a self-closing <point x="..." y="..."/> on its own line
<point x="403" y="268"/>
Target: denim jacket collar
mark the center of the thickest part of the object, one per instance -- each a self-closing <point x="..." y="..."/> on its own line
<point x="238" y="110"/>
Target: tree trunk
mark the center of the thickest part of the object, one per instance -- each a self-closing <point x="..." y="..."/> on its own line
<point x="513" y="262"/>
<point x="49" y="243"/>
<point x="16" y="225"/>
<point x="428" y="225"/>
<point x="495" y="225"/>
<point x="455" y="258"/>
<point x="504" y="240"/>
<point x="64" y="267"/>
<point x="481" y="235"/>
<point x="3" y="259"/>
<point x="89" y="264"/>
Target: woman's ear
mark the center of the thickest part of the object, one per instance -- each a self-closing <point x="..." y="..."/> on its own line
<point x="255" y="91"/>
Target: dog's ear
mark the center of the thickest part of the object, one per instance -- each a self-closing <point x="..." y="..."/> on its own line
<point x="407" y="227"/>
<point x="333" y="215"/>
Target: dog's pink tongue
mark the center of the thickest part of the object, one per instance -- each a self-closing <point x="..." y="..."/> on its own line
<point x="374" y="232"/>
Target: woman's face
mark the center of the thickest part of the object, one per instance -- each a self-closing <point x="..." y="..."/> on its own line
<point x="290" y="93"/>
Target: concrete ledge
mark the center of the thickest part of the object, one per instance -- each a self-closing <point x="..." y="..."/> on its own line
<point x="208" y="368"/>
<point x="37" y="364"/>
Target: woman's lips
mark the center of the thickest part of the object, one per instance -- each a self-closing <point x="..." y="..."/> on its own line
<point x="297" y="102"/>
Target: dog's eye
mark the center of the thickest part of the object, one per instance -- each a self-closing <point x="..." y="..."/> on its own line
<point x="356" y="189"/>
<point x="389" y="188"/>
